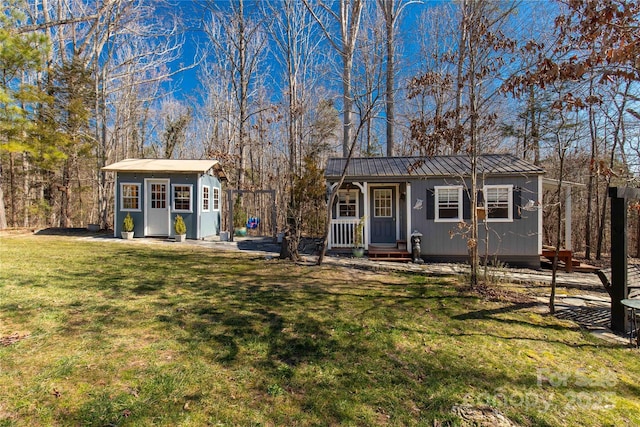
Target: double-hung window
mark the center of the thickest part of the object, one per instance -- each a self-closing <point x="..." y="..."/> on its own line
<point x="182" y="198"/>
<point x="216" y="199"/>
<point x="499" y="202"/>
<point x="348" y="204"/>
<point x="206" y="198"/>
<point x="129" y="197"/>
<point x="448" y="204"/>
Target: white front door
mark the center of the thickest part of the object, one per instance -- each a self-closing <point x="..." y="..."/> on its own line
<point x="157" y="220"/>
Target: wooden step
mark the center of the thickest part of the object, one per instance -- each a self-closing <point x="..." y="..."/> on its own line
<point x="389" y="254"/>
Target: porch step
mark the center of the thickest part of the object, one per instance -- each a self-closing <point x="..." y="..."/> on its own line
<point x="389" y="254"/>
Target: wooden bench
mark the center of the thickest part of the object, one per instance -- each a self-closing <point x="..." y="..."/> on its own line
<point x="633" y="280"/>
<point x="564" y="255"/>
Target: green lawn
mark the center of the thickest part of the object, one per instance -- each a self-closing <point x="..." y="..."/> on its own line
<point x="111" y="333"/>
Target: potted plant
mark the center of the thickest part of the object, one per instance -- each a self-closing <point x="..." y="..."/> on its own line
<point x="180" y="229"/>
<point x="127" y="227"/>
<point x="358" y="239"/>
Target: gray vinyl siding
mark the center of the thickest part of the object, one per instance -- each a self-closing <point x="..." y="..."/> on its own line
<point x="513" y="242"/>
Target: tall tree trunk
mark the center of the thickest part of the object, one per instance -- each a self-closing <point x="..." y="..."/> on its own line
<point x="617" y="143"/>
<point x="65" y="190"/>
<point x="26" y="196"/>
<point x="469" y="11"/>
<point x="558" y="236"/>
<point x="12" y="188"/>
<point x="388" y="10"/>
<point x="3" y="212"/>
<point x="593" y="159"/>
<point x="347" y="98"/>
<point x="460" y="84"/>
<point x="535" y="127"/>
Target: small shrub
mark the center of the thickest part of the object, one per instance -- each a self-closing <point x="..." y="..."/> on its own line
<point x="239" y="214"/>
<point x="179" y="226"/>
<point x="127" y="224"/>
<point x="358" y="238"/>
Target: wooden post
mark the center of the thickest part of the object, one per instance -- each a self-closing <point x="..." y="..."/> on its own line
<point x="230" y="207"/>
<point x="618" y="259"/>
<point x="274" y="214"/>
<point x="619" y="202"/>
<point x="568" y="244"/>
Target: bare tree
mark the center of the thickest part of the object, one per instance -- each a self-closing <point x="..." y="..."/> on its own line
<point x="481" y="54"/>
<point x="368" y="78"/>
<point x="238" y="40"/>
<point x="563" y="132"/>
<point x="176" y="117"/>
<point x="391" y="11"/>
<point x="348" y="20"/>
<point x="296" y="48"/>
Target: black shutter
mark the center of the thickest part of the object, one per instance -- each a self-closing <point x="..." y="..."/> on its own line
<point x="466" y="205"/>
<point x="517" y="202"/>
<point x="431" y="202"/>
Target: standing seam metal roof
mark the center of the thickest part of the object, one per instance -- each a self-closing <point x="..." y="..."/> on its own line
<point x="498" y="164"/>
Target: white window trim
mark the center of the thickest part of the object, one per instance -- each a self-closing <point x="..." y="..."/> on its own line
<point x="357" y="202"/>
<point x="509" y="187"/>
<point x="122" y="208"/>
<point x="173" y="199"/>
<point x="436" y="203"/>
<point x="215" y="199"/>
<point x="207" y="198"/>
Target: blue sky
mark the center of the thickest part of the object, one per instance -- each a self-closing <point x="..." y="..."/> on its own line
<point x="192" y="12"/>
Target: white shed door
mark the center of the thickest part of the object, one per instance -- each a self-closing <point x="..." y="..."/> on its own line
<point x="157" y="208"/>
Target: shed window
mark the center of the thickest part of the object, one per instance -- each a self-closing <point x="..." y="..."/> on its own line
<point x="498" y="202"/>
<point x="130" y="197"/>
<point x="216" y="199"/>
<point x="182" y="198"/>
<point x="448" y="203"/>
<point x="348" y="204"/>
<point x="205" y="199"/>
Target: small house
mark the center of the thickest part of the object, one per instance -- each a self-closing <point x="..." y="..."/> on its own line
<point x="155" y="191"/>
<point x="398" y="196"/>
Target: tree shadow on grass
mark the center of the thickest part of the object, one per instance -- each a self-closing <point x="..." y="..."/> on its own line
<point x="303" y="339"/>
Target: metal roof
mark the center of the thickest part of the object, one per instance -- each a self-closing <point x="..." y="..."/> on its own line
<point x="394" y="167"/>
<point x="163" y="165"/>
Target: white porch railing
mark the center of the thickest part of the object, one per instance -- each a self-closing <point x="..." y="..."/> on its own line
<point x="342" y="231"/>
